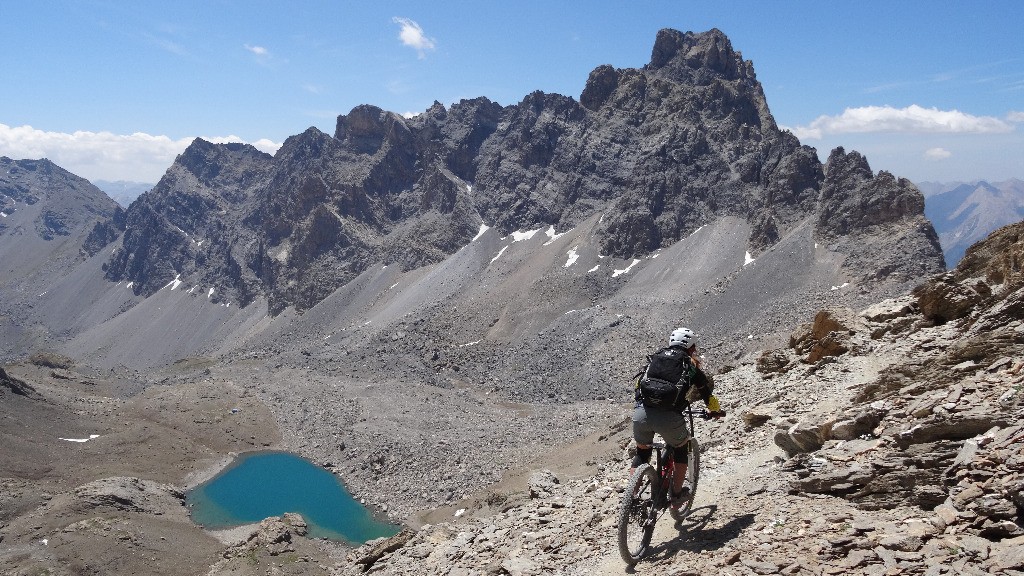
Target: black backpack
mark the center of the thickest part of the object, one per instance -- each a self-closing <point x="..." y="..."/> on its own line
<point x="666" y="380"/>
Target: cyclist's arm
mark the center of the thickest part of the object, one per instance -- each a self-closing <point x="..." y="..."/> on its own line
<point x="705" y="385"/>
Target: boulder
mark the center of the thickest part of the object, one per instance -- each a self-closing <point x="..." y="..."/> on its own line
<point x="797" y="437"/>
<point x="14" y="385"/>
<point x="943" y="299"/>
<point x="773" y="361"/>
<point x="828" y="335"/>
<point x="890" y="309"/>
<point x="864" y="422"/>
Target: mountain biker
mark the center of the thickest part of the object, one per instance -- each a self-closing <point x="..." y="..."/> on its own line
<point x="669" y="421"/>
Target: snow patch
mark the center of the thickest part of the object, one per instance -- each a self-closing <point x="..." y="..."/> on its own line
<point x="393" y="285"/>
<point x="844" y="285"/>
<point x="748" y="259"/>
<point x="460" y="512"/>
<point x="174" y="283"/>
<point x="473" y="343"/>
<point x="80" y="440"/>
<point x="626" y="269"/>
<point x="483" y="228"/>
<point x="573" y="256"/>
<point x="697" y="230"/>
<point x="130" y="284"/>
<point x="209" y="294"/>
<point x="469" y="188"/>
<point x="502" y="251"/>
<point x="519" y="236"/>
<point x="550" y="232"/>
<point x="594" y="269"/>
<point x="3" y="214"/>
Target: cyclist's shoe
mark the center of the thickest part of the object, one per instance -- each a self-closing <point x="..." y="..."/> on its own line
<point x="680" y="498"/>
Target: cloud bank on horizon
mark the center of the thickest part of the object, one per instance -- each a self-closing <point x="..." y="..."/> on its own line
<point x="137" y="157"/>
<point x="913" y="119"/>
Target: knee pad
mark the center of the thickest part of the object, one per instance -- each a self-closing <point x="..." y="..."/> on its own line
<point x="679" y="453"/>
<point x="643" y="456"/>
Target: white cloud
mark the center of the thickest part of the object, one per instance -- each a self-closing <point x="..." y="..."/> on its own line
<point x="1015" y="117"/>
<point x="913" y="118"/>
<point x="257" y="50"/>
<point x="937" y="154"/>
<point x="135" y="157"/>
<point x="412" y="35"/>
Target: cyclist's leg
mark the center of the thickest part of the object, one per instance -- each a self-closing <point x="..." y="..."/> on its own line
<point x="679" y="454"/>
<point x="671" y="424"/>
<point x="643" y="434"/>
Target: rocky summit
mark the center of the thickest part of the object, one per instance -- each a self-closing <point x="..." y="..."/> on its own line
<point x="446" y="311"/>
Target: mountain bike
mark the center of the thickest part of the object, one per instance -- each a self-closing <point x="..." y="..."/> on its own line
<point x="649" y="490"/>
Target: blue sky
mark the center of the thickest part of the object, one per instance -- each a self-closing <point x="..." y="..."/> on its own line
<point x="932" y="91"/>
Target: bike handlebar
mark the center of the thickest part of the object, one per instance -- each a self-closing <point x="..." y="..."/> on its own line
<point x="705" y="414"/>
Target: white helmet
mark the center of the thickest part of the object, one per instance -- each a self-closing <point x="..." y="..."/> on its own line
<point x="682" y="337"/>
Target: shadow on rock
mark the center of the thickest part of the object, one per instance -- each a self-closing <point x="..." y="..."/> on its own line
<point x="695" y="535"/>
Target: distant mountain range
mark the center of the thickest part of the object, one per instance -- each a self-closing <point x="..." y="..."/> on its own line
<point x="966" y="212"/>
<point x="122" y="191"/>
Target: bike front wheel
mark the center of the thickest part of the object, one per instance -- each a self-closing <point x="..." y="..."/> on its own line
<point x="692" y="476"/>
<point x="637" y="515"/>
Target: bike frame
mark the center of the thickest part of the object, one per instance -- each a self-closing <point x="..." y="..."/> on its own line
<point x="643" y="512"/>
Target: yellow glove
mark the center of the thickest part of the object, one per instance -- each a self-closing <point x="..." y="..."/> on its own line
<point x="713" y="405"/>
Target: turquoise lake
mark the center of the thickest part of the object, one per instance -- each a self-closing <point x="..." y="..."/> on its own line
<point x="263" y="484"/>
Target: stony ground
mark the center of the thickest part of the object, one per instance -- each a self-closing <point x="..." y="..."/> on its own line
<point x="881" y="442"/>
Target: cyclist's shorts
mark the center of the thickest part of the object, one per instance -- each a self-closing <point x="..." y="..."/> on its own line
<point x="669" y="423"/>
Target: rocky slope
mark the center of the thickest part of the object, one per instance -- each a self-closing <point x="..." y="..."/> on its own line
<point x="46" y="217"/>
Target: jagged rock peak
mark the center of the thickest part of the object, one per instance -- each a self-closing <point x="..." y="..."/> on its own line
<point x="854" y="199"/>
<point x="699" y="56"/>
<point x="842" y="166"/>
<point x="205" y="159"/>
<point x="310" y="144"/>
<point x="365" y="128"/>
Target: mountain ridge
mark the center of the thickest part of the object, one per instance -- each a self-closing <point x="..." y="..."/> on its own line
<point x="660" y="151"/>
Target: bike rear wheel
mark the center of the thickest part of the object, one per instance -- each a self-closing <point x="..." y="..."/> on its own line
<point x="692" y="476"/>
<point x="637" y="515"/>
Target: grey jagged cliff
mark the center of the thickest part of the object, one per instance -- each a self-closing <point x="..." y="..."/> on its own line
<point x="658" y="152"/>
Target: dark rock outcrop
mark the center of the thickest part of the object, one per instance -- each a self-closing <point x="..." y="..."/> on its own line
<point x="14" y="385"/>
<point x="863" y="215"/>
